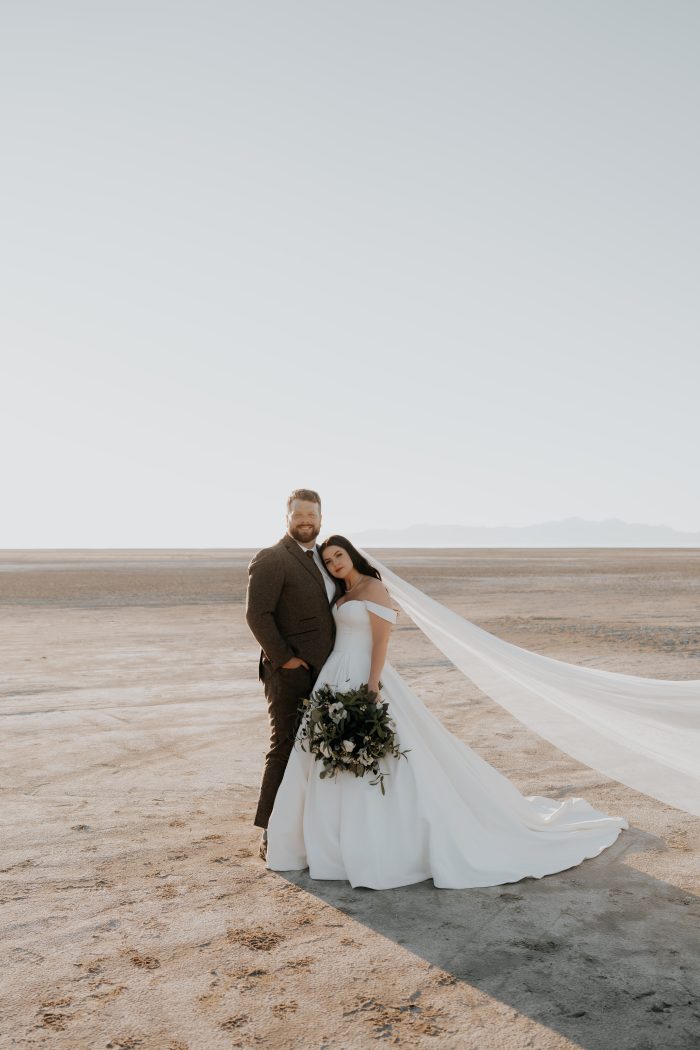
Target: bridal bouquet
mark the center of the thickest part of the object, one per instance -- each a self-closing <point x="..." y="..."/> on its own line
<point x="348" y="732"/>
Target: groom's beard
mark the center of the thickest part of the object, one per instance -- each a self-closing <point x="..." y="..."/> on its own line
<point x="304" y="534"/>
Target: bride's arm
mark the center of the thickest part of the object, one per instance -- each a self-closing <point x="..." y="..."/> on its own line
<point x="380" y="643"/>
<point x="381" y="630"/>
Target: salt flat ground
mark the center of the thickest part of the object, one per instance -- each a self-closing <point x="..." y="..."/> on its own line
<point x="136" y="913"/>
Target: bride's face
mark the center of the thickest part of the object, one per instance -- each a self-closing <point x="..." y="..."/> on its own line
<point x="337" y="561"/>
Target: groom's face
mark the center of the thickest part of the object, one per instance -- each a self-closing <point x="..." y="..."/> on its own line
<point x="304" y="521"/>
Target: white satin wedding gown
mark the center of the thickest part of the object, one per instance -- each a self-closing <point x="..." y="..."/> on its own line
<point x="446" y="815"/>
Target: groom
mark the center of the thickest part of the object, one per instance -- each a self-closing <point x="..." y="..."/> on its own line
<point x="288" y="610"/>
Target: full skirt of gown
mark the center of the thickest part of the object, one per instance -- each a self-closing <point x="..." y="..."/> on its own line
<point x="447" y="814"/>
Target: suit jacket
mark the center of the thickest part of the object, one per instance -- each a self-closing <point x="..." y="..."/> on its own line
<point x="287" y="606"/>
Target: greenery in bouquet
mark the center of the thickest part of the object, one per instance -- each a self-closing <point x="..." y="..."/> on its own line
<point x="349" y="732"/>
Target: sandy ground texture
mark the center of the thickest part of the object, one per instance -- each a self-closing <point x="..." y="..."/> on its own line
<point x="136" y="913"/>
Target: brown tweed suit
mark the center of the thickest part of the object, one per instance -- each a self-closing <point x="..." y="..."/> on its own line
<point x="287" y="610"/>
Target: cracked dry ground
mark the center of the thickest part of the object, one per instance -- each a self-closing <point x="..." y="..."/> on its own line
<point x="189" y="946"/>
<point x="137" y="914"/>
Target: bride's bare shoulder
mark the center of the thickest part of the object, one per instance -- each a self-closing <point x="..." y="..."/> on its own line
<point x="375" y="591"/>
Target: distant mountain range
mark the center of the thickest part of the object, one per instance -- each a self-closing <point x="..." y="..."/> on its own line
<point x="571" y="532"/>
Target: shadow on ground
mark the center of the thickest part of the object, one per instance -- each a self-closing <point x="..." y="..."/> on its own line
<point x="602" y="954"/>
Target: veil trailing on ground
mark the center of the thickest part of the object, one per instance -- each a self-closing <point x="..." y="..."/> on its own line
<point x="643" y="732"/>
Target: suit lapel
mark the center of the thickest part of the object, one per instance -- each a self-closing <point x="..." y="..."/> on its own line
<point x="308" y="563"/>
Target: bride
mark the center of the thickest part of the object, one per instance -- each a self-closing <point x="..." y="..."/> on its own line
<point x="446" y="815"/>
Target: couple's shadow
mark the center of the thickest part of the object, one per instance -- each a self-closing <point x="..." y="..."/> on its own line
<point x="602" y="954"/>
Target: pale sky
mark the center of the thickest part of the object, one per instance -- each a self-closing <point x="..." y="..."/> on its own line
<point x="438" y="260"/>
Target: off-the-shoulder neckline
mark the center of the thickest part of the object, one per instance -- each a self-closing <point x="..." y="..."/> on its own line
<point x="364" y="601"/>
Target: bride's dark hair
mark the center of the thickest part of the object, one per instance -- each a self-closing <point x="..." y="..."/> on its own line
<point x="358" y="560"/>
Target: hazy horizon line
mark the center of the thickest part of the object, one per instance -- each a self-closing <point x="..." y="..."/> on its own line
<point x="573" y="533"/>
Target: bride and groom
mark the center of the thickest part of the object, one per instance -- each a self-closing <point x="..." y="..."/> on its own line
<point x="323" y="617"/>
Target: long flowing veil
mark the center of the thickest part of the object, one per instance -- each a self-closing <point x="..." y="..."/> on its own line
<point x="643" y="732"/>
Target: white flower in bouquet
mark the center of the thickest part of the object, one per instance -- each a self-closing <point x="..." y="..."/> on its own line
<point x="336" y="711"/>
<point x="348" y="745"/>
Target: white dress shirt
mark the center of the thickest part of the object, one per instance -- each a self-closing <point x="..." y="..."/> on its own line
<point x="328" y="580"/>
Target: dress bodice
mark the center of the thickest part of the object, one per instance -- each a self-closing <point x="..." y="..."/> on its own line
<point x="353" y="624"/>
<point x="349" y="663"/>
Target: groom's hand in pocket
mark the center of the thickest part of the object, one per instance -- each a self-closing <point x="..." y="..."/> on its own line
<point x="296" y="661"/>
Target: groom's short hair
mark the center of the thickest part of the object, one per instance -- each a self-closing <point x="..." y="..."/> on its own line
<point x="308" y="495"/>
